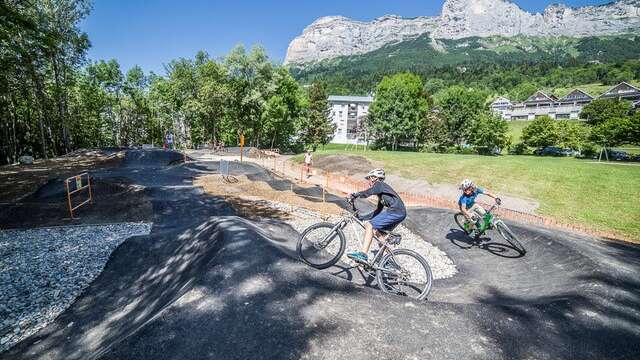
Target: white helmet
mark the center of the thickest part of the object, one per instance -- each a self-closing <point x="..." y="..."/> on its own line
<point x="378" y="173"/>
<point x="466" y="184"/>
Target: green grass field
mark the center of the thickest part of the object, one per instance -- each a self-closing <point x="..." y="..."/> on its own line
<point x="515" y="129"/>
<point x="568" y="189"/>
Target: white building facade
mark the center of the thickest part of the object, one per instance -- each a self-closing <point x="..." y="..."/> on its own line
<point x="349" y="114"/>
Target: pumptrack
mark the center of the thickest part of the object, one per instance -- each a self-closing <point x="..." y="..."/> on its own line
<point x="207" y="284"/>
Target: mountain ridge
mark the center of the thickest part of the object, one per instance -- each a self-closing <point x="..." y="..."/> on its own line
<point x="334" y="36"/>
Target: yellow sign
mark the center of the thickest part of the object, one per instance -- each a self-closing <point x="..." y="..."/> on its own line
<point x="78" y="182"/>
<point x="241" y="140"/>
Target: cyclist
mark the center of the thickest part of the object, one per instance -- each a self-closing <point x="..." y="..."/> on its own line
<point x="469" y="207"/>
<point x="388" y="214"/>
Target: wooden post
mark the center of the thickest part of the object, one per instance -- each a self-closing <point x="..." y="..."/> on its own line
<point x="90" y="192"/>
<point x="69" y="198"/>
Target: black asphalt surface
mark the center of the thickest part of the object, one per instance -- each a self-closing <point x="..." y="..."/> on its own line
<point x="206" y="284"/>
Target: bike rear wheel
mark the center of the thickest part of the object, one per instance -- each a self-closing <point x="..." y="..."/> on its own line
<point x="405" y="272"/>
<point x="321" y="245"/>
<point x="508" y="235"/>
<point x="461" y="220"/>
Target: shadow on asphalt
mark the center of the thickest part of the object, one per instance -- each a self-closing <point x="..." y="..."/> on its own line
<point x="489" y="244"/>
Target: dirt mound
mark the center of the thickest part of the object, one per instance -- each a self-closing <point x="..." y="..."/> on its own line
<point x="344" y="164"/>
<point x="244" y="193"/>
<point x="151" y="158"/>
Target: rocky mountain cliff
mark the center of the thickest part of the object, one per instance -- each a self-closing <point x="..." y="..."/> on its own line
<point x="334" y="36"/>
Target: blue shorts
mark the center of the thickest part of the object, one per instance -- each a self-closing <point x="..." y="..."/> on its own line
<point x="386" y="221"/>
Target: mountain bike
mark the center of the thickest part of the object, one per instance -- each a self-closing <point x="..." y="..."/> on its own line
<point x="397" y="271"/>
<point x="489" y="221"/>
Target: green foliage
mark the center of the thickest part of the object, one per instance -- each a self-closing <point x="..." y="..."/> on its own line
<point x="519" y="149"/>
<point x="460" y="107"/>
<point x="316" y="128"/>
<point x="609" y="133"/>
<point x="540" y="132"/>
<point x="489" y="132"/>
<point x="633" y="130"/>
<point x="398" y="110"/>
<point x="283" y="110"/>
<point x="571" y="134"/>
<point x="434" y="133"/>
<point x="601" y="110"/>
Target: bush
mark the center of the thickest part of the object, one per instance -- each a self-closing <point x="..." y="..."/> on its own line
<point x="519" y="149"/>
<point x="589" y="151"/>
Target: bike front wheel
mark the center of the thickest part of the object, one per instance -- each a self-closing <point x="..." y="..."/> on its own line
<point x="321" y="245"/>
<point x="462" y="222"/>
<point x="508" y="235"/>
<point x="405" y="272"/>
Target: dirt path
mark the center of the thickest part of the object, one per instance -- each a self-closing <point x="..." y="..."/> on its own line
<point x="358" y="166"/>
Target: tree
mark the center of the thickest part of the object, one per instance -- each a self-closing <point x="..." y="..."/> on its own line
<point x="460" y="107"/>
<point x="541" y="132"/>
<point x="213" y="97"/>
<point x="434" y="134"/>
<point x="633" y="130"/>
<point x="609" y="133"/>
<point x="522" y="91"/>
<point x="400" y="105"/>
<point x="316" y="128"/>
<point x="283" y="110"/>
<point x="250" y="83"/>
<point x="601" y="110"/>
<point x="571" y="134"/>
<point x="489" y="132"/>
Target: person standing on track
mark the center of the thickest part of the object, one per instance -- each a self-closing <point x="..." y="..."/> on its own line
<point x="308" y="162"/>
<point x="388" y="214"/>
<point x="170" y="140"/>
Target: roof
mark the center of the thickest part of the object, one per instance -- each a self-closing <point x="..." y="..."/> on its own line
<point x="540" y="96"/>
<point x="627" y="90"/>
<point x="501" y="100"/>
<point x="577" y="94"/>
<point x="357" y="99"/>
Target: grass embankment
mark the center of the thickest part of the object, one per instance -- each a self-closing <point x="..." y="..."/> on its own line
<point x="568" y="189"/>
<point x="515" y="129"/>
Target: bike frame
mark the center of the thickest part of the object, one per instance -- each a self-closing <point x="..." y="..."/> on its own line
<point x="351" y="218"/>
<point x="489" y="218"/>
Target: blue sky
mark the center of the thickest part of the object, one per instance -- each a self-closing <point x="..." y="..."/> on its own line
<point x="151" y="33"/>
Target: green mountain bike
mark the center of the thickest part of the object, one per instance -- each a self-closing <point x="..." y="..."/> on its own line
<point x="397" y="271"/>
<point x="490" y="221"/>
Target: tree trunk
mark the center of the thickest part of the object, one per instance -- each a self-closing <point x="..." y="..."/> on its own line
<point x="41" y="104"/>
<point x="59" y="97"/>
<point x="13" y="126"/>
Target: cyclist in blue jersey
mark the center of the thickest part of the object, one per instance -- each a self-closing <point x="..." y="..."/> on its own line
<point x="467" y="202"/>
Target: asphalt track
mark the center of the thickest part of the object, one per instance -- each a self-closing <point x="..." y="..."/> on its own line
<point x="206" y="284"/>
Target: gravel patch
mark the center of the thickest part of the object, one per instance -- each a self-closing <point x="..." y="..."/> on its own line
<point x="42" y="271"/>
<point x="441" y="265"/>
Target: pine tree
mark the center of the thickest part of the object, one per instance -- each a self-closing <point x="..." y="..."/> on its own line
<point x="316" y="128"/>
